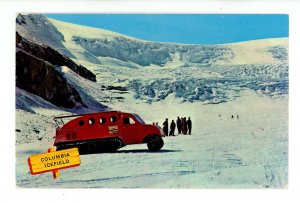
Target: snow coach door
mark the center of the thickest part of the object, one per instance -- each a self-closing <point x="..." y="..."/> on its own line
<point x="130" y="130"/>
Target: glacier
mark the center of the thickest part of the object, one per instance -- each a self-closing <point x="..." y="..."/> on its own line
<point x="210" y="74"/>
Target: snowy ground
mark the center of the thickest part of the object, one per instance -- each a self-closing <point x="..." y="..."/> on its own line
<point x="248" y="152"/>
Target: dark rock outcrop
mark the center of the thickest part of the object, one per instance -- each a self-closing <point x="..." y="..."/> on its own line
<point x="46" y="53"/>
<point x="40" y="78"/>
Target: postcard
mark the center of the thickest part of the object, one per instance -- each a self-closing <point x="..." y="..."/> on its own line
<point x="152" y="101"/>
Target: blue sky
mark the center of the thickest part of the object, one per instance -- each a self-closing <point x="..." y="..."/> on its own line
<point x="186" y="28"/>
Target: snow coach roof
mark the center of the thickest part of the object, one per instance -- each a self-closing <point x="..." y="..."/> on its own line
<point x="77" y="115"/>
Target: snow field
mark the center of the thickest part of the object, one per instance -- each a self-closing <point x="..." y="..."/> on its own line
<point x="248" y="152"/>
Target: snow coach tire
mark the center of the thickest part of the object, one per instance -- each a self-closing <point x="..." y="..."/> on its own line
<point x="92" y="148"/>
<point x="155" y="143"/>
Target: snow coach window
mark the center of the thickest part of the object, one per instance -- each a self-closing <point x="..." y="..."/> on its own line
<point x="128" y="121"/>
<point x="139" y="118"/>
<point x="81" y="122"/>
<point x="91" y="121"/>
<point x="102" y="120"/>
<point x="113" y="119"/>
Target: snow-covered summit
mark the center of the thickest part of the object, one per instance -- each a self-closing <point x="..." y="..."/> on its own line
<point x="97" y="43"/>
<point x="271" y="51"/>
<point x="103" y="43"/>
<point x="105" y="47"/>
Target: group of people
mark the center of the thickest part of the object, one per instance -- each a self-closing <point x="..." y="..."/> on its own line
<point x="184" y="126"/>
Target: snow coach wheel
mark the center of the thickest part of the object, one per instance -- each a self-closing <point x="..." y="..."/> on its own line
<point x="155" y="143"/>
<point x="92" y="148"/>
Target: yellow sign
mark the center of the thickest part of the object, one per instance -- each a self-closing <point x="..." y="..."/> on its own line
<point x="54" y="161"/>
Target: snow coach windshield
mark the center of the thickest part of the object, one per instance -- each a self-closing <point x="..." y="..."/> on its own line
<point x="139" y="118"/>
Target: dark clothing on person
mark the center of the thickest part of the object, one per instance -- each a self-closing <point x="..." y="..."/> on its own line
<point x="178" y="122"/>
<point x="166" y="127"/>
<point x="172" y="128"/>
<point x="189" y="125"/>
<point x="184" y="126"/>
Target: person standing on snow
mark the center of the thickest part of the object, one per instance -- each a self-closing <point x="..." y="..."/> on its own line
<point x="189" y="125"/>
<point x="172" y="128"/>
<point x="166" y="127"/>
<point x="184" y="126"/>
<point x="178" y="122"/>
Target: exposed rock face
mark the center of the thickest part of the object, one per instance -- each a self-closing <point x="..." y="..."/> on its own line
<point x="36" y="74"/>
<point x="40" y="78"/>
<point x="46" y="53"/>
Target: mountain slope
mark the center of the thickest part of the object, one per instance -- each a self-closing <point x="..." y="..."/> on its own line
<point x="205" y="73"/>
<point x="38" y="72"/>
<point x="47" y="53"/>
<point x="41" y="78"/>
<point x="96" y="45"/>
<point x="39" y="29"/>
<point x="81" y="40"/>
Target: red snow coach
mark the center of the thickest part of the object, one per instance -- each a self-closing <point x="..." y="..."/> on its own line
<point x="105" y="132"/>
